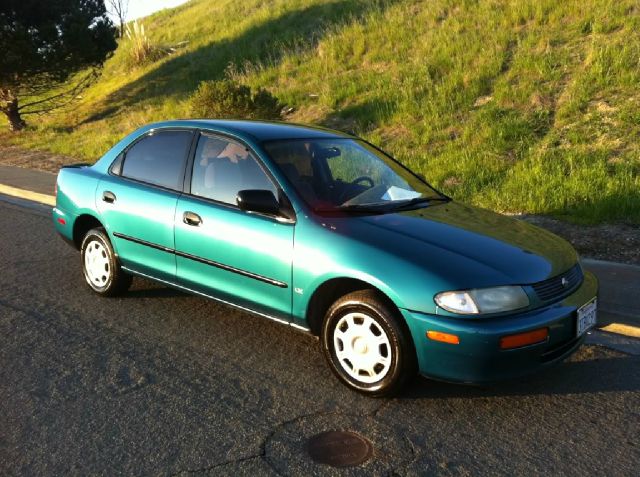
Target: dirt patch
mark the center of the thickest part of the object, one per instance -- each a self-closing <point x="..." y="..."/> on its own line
<point x="613" y="242"/>
<point x="33" y="159"/>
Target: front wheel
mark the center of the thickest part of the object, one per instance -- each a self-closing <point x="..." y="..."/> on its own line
<point x="100" y="265"/>
<point x="367" y="345"/>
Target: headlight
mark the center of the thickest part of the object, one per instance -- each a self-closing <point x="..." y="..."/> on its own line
<point x="484" y="300"/>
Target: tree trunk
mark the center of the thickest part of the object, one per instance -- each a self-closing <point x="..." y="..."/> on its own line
<point x="16" y="123"/>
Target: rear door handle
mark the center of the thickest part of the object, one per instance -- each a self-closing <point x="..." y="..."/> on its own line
<point x="108" y="196"/>
<point x="191" y="218"/>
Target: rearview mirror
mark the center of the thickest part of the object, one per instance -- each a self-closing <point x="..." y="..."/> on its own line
<point x="328" y="153"/>
<point x="258" y="200"/>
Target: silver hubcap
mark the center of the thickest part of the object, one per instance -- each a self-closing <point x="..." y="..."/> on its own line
<point x="96" y="264"/>
<point x="362" y="348"/>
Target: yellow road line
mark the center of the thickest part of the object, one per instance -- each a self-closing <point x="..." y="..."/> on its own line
<point x="621" y="329"/>
<point x="27" y="194"/>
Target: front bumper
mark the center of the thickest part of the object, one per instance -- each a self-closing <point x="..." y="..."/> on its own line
<point x="478" y="357"/>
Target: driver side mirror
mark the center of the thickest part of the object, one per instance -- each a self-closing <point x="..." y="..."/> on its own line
<point x="258" y="200"/>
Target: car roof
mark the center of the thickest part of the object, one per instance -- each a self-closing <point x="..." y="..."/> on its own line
<point x="257" y="130"/>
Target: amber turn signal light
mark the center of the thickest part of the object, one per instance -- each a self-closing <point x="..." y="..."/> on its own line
<point x="443" y="337"/>
<point x="524" y="339"/>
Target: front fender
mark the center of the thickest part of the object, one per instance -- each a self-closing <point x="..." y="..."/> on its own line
<point x="322" y="253"/>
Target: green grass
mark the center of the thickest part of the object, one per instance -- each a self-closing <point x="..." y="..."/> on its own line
<point x="519" y="106"/>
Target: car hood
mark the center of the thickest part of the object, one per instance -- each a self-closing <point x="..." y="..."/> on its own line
<point x="469" y="246"/>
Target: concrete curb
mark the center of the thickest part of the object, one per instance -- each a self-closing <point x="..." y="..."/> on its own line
<point x="615" y="341"/>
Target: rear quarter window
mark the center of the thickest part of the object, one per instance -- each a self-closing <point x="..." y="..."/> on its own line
<point x="158" y="159"/>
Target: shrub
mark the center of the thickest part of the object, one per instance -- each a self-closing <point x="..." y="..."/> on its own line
<point x="140" y="50"/>
<point x="226" y="99"/>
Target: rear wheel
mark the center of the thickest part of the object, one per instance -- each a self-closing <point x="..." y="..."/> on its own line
<point x="367" y="345"/>
<point x="100" y="265"/>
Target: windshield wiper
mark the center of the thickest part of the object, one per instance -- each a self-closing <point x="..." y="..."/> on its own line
<point x="377" y="208"/>
<point x="419" y="200"/>
<point x="383" y="207"/>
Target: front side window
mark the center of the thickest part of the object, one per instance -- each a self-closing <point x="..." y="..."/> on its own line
<point x="222" y="168"/>
<point x="158" y="159"/>
<point x="340" y="174"/>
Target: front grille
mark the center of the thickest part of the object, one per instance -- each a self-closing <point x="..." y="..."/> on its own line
<point x="559" y="286"/>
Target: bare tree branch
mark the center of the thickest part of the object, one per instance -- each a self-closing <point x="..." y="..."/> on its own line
<point x="119" y="8"/>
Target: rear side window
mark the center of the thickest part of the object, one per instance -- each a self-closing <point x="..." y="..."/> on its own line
<point x="158" y="159"/>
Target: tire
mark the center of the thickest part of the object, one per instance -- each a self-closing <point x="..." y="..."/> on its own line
<point x="367" y="344"/>
<point x="100" y="265"/>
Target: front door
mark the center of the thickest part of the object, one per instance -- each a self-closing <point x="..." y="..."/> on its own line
<point x="236" y="256"/>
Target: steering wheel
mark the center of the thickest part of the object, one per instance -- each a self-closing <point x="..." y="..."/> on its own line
<point x="363" y="179"/>
<point x="356" y="181"/>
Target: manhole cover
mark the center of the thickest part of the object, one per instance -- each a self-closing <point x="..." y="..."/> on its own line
<point x="339" y="448"/>
<point x="304" y="447"/>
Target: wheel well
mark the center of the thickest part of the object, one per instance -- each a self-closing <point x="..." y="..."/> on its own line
<point x="81" y="226"/>
<point x="327" y="293"/>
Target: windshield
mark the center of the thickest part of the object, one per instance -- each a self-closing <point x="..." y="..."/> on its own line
<point x="347" y="174"/>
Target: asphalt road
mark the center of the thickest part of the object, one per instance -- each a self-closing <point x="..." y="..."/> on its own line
<point x="160" y="382"/>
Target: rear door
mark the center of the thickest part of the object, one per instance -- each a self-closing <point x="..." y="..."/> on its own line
<point x="138" y="201"/>
<point x="240" y="257"/>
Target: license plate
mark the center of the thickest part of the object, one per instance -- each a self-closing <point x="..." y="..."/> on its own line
<point x="587" y="317"/>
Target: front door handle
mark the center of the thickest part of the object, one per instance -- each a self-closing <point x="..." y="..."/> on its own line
<point x="108" y="196"/>
<point x="191" y="218"/>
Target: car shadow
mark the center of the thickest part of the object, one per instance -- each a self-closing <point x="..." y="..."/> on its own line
<point x="612" y="372"/>
<point x="144" y="288"/>
<point x="167" y="292"/>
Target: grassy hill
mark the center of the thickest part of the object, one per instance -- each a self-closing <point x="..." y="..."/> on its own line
<point x="520" y="106"/>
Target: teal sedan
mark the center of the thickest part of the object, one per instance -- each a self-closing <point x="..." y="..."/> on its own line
<point x="326" y="233"/>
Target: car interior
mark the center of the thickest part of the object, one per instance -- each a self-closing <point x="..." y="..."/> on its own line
<point x="306" y="166"/>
